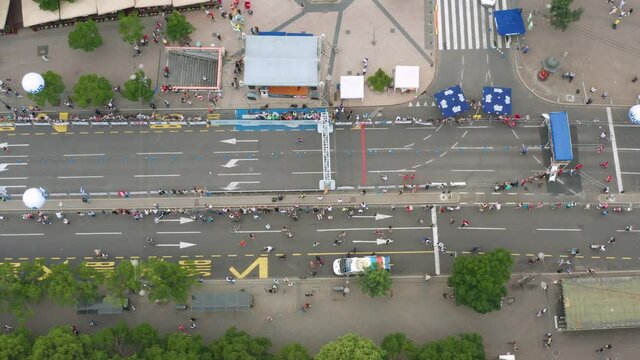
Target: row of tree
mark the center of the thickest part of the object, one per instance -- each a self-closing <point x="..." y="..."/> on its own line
<point x="144" y="342"/>
<point x="92" y="90"/>
<point x="28" y="283"/>
<point x="86" y="36"/>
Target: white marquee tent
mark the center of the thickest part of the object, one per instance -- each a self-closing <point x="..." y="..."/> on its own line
<point x="150" y="3"/>
<point x="4" y="12"/>
<point x="407" y="78"/>
<point x="352" y="87"/>
<point x="78" y="8"/>
<point x="178" y="3"/>
<point x="32" y="15"/>
<point x="112" y="6"/>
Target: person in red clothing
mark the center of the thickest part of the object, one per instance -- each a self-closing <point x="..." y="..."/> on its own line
<point x="579" y="166"/>
<point x="465" y="223"/>
<point x="604" y="164"/>
<point x="608" y="178"/>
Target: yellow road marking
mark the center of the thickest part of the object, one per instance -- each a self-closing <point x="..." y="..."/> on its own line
<point x="165" y="126"/>
<point x="84" y="132"/>
<point x="39" y="133"/>
<point x="205" y="130"/>
<point x="11" y="134"/>
<point x="61" y="128"/>
<point x="7" y="128"/>
<point x="99" y="132"/>
<point x="214" y="116"/>
<point x="128" y="132"/>
<point x="262" y="263"/>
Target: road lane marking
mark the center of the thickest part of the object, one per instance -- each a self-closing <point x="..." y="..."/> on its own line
<point x="32" y="234"/>
<point x="614" y="148"/>
<point x="480" y="228"/>
<point x="81" y="177"/>
<point x="377" y="228"/>
<point x="14" y="178"/>
<point x="178" y="232"/>
<point x="548" y="229"/>
<point x="628" y="149"/>
<point x="74" y="155"/>
<point x="236" y="152"/>
<point x="391" y="171"/>
<point x="308" y="172"/>
<point x="157" y="175"/>
<point x="256" y="231"/>
<point x="241" y="174"/>
<point x="14" y="156"/>
<point x="478" y="170"/>
<point x="161" y="153"/>
<point x="98" y="233"/>
<point x="629" y="173"/>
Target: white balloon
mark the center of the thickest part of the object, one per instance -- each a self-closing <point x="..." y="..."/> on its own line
<point x="33" y="198"/>
<point x="634" y="114"/>
<point x="33" y="83"/>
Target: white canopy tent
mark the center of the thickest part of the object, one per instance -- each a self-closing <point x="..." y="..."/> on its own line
<point x="352" y="87"/>
<point x="407" y="78"/>
<point x="150" y="3"/>
<point x="178" y="3"/>
<point x="78" y="8"/>
<point x="32" y="15"/>
<point x="112" y="6"/>
<point x="4" y="12"/>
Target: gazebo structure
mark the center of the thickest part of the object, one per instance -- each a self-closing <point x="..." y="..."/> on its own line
<point x="352" y="87"/>
<point x="406" y="78"/>
<point x="112" y="6"/>
<point x="78" y="8"/>
<point x="282" y="64"/>
<point x="193" y="68"/>
<point x="32" y="15"/>
<point x="599" y="303"/>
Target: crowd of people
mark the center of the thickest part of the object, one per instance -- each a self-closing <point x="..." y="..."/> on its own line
<point x="287" y="115"/>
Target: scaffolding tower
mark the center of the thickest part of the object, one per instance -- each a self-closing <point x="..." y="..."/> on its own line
<point x="325" y="128"/>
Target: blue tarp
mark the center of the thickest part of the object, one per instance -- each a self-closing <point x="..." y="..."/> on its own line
<point x="509" y="22"/>
<point x="496" y="100"/>
<point x="451" y="101"/>
<point x="560" y="136"/>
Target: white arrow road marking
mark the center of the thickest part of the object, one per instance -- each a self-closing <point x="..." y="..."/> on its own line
<point x="234" y="184"/>
<point x="376" y="241"/>
<point x="99" y="233"/>
<point x="234" y="162"/>
<point x="178" y="232"/>
<point x="181" y="245"/>
<point x="376" y="216"/>
<point x="233" y="141"/>
<point x="182" y="220"/>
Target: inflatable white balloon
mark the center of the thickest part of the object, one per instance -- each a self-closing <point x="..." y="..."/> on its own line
<point x="634" y="114"/>
<point x="33" y="198"/>
<point x="33" y="83"/>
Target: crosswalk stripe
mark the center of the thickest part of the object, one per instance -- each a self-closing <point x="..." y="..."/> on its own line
<point x="469" y="23"/>
<point x="454" y="23"/>
<point x="446" y="22"/>
<point x="440" y="24"/>
<point x="462" y="23"/>
<point x="461" y="27"/>
<point x="475" y="26"/>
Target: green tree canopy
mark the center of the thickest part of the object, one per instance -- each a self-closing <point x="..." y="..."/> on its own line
<point x="130" y="27"/>
<point x="92" y="89"/>
<point x="562" y="15"/>
<point x="68" y="285"/>
<point x="379" y="81"/>
<point x="479" y="281"/>
<point x="48" y="5"/>
<point x="53" y="88"/>
<point x="139" y="87"/>
<point x="350" y="346"/>
<point x="122" y="280"/>
<point x="85" y="36"/>
<point x="61" y="344"/>
<point x="186" y="347"/>
<point x="178" y="28"/>
<point x="16" y="345"/>
<point x="168" y="281"/>
<point x="396" y="346"/>
<point x="462" y="347"/>
<point x="293" y="351"/>
<point x="238" y="345"/>
<point x="376" y="281"/>
<point x="21" y="287"/>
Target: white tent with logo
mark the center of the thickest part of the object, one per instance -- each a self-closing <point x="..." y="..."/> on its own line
<point x="406" y="78"/>
<point x="352" y="87"/>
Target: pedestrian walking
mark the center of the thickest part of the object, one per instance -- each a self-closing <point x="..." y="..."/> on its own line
<point x="589" y="101"/>
<point x="315" y="244"/>
<point x="166" y="103"/>
<point x="45" y="58"/>
<point x="593" y="89"/>
<point x="525" y="49"/>
<point x="269" y="318"/>
<point x="252" y="236"/>
<point x="605" y="95"/>
<point x="608" y="347"/>
<point x="465" y="223"/>
<point x="634" y="79"/>
<point x="604" y="164"/>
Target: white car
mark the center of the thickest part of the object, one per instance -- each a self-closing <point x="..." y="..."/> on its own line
<point x="488" y="3"/>
<point x="357" y="265"/>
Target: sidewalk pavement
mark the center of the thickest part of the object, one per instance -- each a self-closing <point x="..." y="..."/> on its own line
<point x="373" y="199"/>
<point x="417" y="308"/>
<point x="361" y="28"/>
<point x="600" y="56"/>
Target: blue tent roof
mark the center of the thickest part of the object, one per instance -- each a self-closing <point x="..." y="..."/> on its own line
<point x="509" y="22"/>
<point x="451" y="101"/>
<point x="496" y="100"/>
<point x="560" y="136"/>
